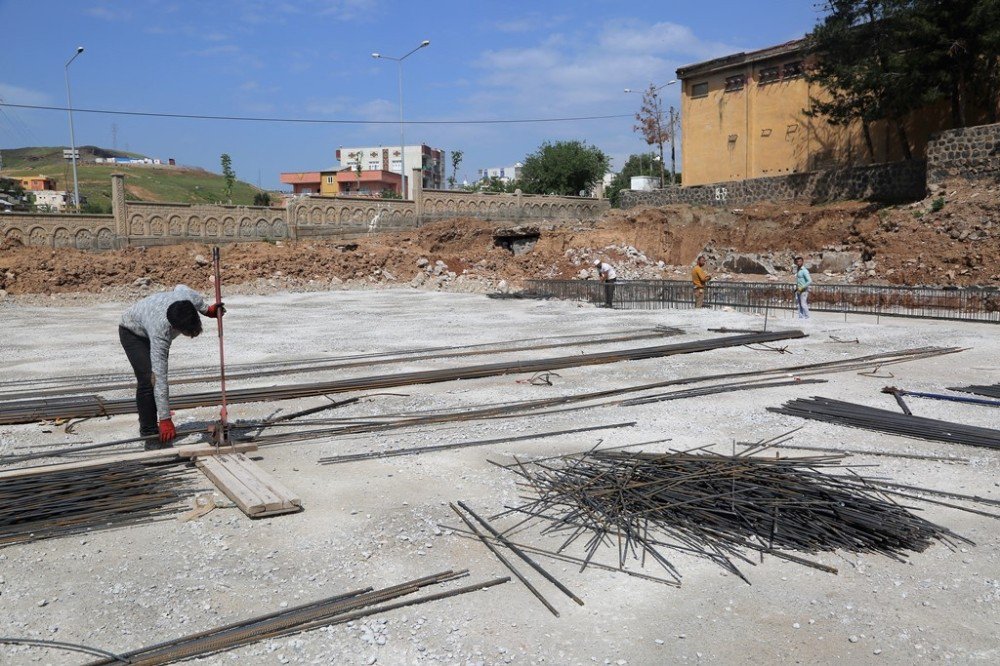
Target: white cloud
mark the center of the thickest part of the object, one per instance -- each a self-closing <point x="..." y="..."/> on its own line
<point x="662" y="39"/>
<point x="108" y="12"/>
<point x="16" y="95"/>
<point x="584" y="74"/>
<point x="530" y="23"/>
<point x="264" y="12"/>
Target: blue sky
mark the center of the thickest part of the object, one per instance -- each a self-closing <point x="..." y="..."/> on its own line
<point x="311" y="59"/>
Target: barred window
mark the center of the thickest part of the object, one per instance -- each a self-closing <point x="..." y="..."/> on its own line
<point x="792" y="69"/>
<point x="699" y="89"/>
<point x="734" y="83"/>
<point x="768" y="75"/>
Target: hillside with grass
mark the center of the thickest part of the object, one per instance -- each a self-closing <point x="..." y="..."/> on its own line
<point x="142" y="182"/>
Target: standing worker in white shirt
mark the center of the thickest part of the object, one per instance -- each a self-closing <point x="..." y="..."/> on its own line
<point x="802" y="282"/>
<point x="606" y="273"/>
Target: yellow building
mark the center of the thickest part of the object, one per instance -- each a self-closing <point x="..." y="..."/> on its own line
<point x="743" y="116"/>
<point x="328" y="184"/>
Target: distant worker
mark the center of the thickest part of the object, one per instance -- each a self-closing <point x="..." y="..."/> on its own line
<point x="606" y="273"/>
<point x="146" y="331"/>
<point x="802" y="282"/>
<point x="700" y="278"/>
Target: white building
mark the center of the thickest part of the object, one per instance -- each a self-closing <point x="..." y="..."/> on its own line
<point x="431" y="161"/>
<point x="505" y="174"/>
<point x="52" y="200"/>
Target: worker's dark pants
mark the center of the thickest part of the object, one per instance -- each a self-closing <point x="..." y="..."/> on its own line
<point x="609" y="292"/>
<point x="137" y="349"/>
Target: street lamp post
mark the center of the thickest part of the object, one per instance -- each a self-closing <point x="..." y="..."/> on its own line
<point x="402" y="142"/>
<point x="72" y="137"/>
<point x="659" y="129"/>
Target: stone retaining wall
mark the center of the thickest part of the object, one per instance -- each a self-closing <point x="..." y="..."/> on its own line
<point x="888" y="183"/>
<point x="143" y="223"/>
<point x="970" y="153"/>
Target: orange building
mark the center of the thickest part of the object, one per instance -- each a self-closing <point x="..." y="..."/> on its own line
<point x="743" y="116"/>
<point x="368" y="183"/>
<point x="313" y="182"/>
<point x="37" y="183"/>
<point x="302" y="182"/>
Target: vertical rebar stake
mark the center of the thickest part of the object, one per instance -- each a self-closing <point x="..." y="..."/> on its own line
<point x="222" y="435"/>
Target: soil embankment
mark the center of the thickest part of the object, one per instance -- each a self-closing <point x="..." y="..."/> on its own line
<point x="949" y="239"/>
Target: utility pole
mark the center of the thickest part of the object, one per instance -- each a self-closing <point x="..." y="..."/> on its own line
<point x="673" y="152"/>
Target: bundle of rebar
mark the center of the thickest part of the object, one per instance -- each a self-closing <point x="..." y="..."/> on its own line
<point x="322" y="613"/>
<point x="74" y="385"/>
<point x="992" y="390"/>
<point x="887" y="421"/>
<point x="41" y="504"/>
<point x="714" y="506"/>
<point x="25" y="411"/>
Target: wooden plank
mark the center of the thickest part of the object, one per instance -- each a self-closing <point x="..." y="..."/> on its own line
<point x="289" y="499"/>
<point x="230" y="485"/>
<point x="248" y="477"/>
<point x="188" y="451"/>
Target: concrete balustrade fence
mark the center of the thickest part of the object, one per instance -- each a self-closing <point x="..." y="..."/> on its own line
<point x="144" y="223"/>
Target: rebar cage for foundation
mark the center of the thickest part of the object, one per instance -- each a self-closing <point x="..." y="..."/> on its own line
<point x="978" y="304"/>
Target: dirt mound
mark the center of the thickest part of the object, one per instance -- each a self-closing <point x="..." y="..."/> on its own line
<point x="951" y="238"/>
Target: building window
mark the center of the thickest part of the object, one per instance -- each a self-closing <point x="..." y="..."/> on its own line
<point x="329" y="180"/>
<point x="374" y="165"/>
<point x="791" y="70"/>
<point x="734" y="83"/>
<point x="768" y="75"/>
<point x="699" y="89"/>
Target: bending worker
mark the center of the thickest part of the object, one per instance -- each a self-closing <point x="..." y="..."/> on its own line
<point x="146" y="331"/>
<point x="700" y="279"/>
<point x="606" y="273"/>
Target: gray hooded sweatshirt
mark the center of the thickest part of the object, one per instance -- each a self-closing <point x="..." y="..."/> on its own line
<point x="148" y="319"/>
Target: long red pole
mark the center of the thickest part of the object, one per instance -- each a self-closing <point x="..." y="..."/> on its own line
<point x="224" y="415"/>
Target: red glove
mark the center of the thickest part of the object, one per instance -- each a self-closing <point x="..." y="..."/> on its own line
<point x="167" y="431"/>
<point x="215" y="310"/>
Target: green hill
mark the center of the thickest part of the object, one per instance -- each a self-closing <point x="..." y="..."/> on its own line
<point x="144" y="182"/>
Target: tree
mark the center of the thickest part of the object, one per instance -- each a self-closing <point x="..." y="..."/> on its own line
<point x="229" y="175"/>
<point x="262" y="199"/>
<point x="883" y="59"/>
<point x="636" y="165"/>
<point x="958" y="43"/>
<point x="456" y="159"/>
<point x="497" y="185"/>
<point x="656" y="129"/>
<point x="563" y="167"/>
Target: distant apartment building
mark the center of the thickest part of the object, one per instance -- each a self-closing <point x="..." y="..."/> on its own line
<point x="431" y="162"/>
<point x="37" y="183"/>
<point x="506" y="175"/>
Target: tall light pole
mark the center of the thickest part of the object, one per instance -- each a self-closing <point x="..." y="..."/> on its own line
<point x="657" y="112"/>
<point x="72" y="137"/>
<point x="402" y="142"/>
